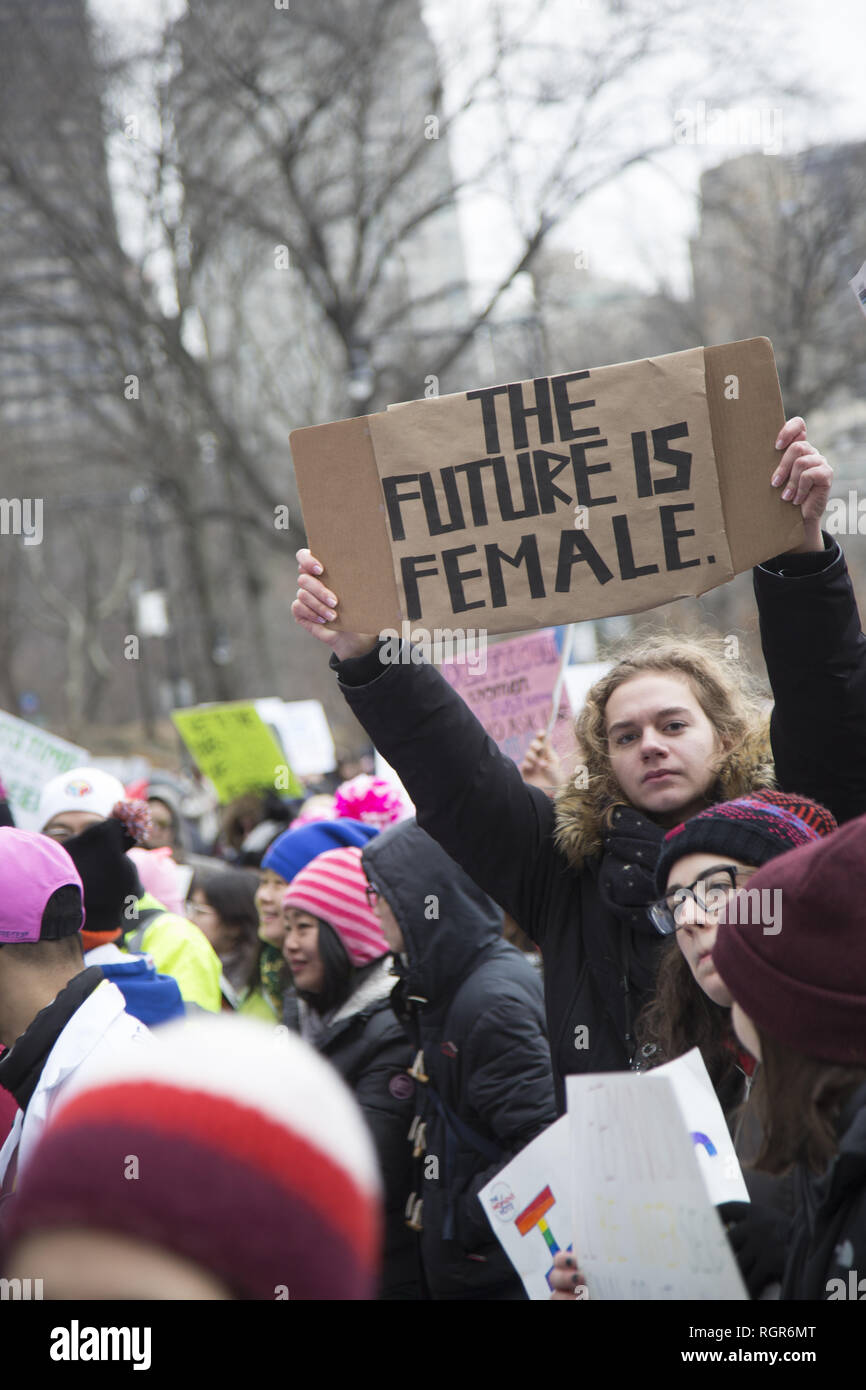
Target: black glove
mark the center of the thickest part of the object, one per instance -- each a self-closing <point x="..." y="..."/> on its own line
<point x="759" y="1238"/>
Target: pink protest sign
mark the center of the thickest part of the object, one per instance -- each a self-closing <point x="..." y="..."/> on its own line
<point x="511" y="693"/>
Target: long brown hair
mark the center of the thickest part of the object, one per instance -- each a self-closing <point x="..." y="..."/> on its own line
<point x="798" y="1101"/>
<point x="728" y="696"/>
<point x="681" y="1016"/>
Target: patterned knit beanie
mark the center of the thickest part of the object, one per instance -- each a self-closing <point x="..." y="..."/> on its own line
<point x="253" y="1161"/>
<point x="752" y="829"/>
<point x="333" y="888"/>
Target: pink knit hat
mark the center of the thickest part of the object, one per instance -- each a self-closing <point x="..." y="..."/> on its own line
<point x="332" y="888"/>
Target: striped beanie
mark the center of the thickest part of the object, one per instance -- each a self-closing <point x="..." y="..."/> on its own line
<point x="333" y="888"/>
<point x="252" y="1161"/>
<point x="752" y="829"/>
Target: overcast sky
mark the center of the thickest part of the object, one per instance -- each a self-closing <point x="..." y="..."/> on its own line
<point x="638" y="229"/>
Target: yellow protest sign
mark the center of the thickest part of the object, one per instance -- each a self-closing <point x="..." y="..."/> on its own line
<point x="233" y="746"/>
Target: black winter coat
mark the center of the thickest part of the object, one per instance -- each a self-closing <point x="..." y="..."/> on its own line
<point x="827" y="1258"/>
<point x="473" y="1005"/>
<point x="370" y="1050"/>
<point x="599" y="947"/>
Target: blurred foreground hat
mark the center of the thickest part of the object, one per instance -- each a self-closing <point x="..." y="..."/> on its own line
<point x="254" y="1161"/>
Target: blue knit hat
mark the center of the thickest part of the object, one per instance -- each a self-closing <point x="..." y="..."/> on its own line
<point x="293" y="850"/>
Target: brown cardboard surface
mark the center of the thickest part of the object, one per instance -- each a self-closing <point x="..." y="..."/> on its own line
<point x="422" y="436"/>
<point x="344" y="517"/>
<point x="740" y="520"/>
<point x="758" y="523"/>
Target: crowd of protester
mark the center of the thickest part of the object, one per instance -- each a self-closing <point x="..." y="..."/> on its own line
<point x="398" y="1049"/>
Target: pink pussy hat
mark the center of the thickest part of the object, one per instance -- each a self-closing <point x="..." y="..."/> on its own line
<point x="32" y="868"/>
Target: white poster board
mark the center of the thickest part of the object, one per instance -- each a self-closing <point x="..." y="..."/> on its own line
<point x="528" y="1206"/>
<point x="304" y="732"/>
<point x="643" y="1225"/>
<point x="30" y="757"/>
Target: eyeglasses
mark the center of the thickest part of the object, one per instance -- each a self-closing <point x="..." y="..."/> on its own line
<point x="198" y="909"/>
<point x="372" y="894"/>
<point x="709" y="893"/>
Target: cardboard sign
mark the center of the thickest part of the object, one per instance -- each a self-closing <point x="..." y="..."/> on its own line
<point x="512" y="695"/>
<point x="233" y="746"/>
<point x="577" y="496"/>
<point x="643" y="1224"/>
<point x="30" y="757"/>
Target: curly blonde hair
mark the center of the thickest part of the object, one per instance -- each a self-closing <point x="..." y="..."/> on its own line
<point x="728" y="696"/>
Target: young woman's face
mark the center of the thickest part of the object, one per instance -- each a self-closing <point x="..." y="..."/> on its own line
<point x="696" y="934"/>
<point x="269" y="903"/>
<point x="746" y="1032"/>
<point x="209" y="922"/>
<point x="301" y="950"/>
<point x="663" y="748"/>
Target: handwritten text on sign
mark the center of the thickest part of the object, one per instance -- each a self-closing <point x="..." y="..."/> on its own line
<point x="598" y="481"/>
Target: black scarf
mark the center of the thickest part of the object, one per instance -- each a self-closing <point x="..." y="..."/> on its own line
<point x="627" y="874"/>
<point x="22" y="1065"/>
<point x="626" y="883"/>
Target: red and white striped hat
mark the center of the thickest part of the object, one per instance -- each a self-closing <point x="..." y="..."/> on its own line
<point x="332" y="888"/>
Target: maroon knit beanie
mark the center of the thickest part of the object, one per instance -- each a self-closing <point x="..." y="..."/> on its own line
<point x="804" y="981"/>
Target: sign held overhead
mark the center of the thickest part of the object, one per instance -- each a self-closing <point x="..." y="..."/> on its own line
<point x="576" y="496"/>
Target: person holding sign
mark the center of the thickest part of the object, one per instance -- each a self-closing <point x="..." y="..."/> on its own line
<point x="666" y="733"/>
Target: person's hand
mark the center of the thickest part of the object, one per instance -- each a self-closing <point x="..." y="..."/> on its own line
<point x="540" y="766"/>
<point x="316" y="606"/>
<point x="805" y="478"/>
<point x="565" y="1278"/>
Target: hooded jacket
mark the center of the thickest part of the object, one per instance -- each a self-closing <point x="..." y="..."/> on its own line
<point x="367" y="1045"/>
<point x="827" y="1258"/>
<point x="586" y="910"/>
<point x="473" y="1008"/>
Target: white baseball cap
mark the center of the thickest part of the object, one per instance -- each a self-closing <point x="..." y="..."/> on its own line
<point x="81" y="789"/>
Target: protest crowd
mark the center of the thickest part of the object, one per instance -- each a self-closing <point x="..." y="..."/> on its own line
<point x="291" y="1056"/>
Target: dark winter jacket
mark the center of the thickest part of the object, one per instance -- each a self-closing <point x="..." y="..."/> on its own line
<point x="827" y="1257"/>
<point x="369" y="1048"/>
<point x="599" y="947"/>
<point x="473" y="1007"/>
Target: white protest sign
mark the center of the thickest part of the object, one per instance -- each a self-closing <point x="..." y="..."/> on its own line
<point x="528" y="1205"/>
<point x="30" y="757"/>
<point x="858" y="285"/>
<point x="303" y="731"/>
<point x="643" y="1225"/>
<point x="705" y="1121"/>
